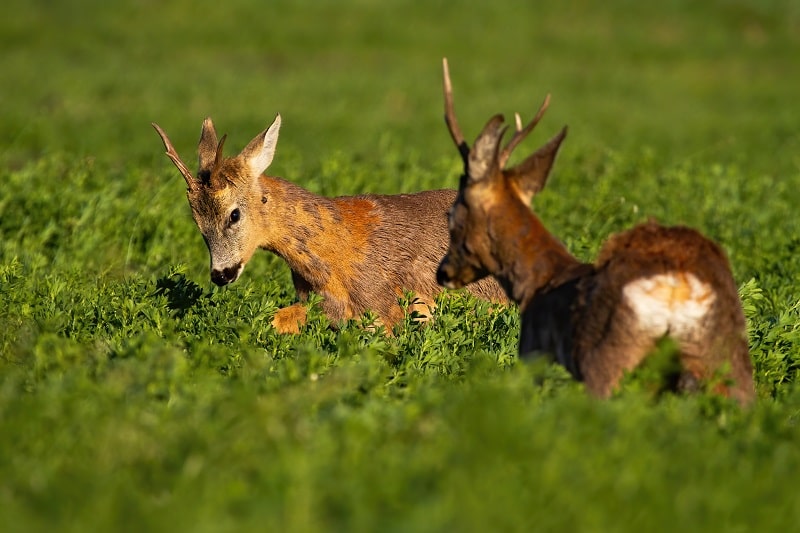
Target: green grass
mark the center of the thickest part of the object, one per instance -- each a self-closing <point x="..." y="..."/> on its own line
<point x="134" y="395"/>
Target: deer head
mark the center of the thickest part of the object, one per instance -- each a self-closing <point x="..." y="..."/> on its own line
<point x="492" y="200"/>
<point x="226" y="196"/>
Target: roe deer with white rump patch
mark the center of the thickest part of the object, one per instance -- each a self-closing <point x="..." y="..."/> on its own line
<point x="358" y="252"/>
<point x="602" y="319"/>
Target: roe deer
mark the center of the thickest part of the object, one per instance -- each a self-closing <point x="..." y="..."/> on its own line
<point x="598" y="320"/>
<point x="358" y="252"/>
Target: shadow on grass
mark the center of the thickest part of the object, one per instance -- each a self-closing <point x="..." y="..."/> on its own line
<point x="182" y="294"/>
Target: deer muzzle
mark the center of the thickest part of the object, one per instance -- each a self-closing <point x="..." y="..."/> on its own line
<point x="226" y="275"/>
<point x="445" y="275"/>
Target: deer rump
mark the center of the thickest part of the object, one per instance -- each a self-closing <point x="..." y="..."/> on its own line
<point x="648" y="283"/>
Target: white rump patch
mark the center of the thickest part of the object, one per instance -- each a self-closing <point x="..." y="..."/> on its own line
<point x="671" y="303"/>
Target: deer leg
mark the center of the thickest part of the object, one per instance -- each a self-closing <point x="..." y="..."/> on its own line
<point x="742" y="389"/>
<point x="423" y="307"/>
<point x="703" y="363"/>
<point x="289" y="319"/>
<point x="620" y="350"/>
<point x="604" y="368"/>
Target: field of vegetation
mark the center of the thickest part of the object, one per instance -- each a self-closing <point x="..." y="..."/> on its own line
<point x="135" y="395"/>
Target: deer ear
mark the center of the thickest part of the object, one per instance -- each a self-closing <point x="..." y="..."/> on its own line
<point x="207" y="148"/>
<point x="530" y="176"/>
<point x="259" y="153"/>
<point x="482" y="162"/>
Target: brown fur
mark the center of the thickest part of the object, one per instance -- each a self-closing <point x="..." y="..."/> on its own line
<point x="584" y="315"/>
<point x="359" y="253"/>
<point x="609" y="345"/>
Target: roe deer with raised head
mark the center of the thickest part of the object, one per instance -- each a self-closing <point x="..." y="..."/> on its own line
<point x="358" y="252"/>
<point x="598" y="320"/>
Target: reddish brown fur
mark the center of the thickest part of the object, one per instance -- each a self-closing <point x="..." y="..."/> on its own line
<point x="585" y="315"/>
<point x="358" y="252"/>
<point x="640" y="252"/>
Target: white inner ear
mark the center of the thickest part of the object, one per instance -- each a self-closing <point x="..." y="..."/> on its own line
<point x="524" y="195"/>
<point x="261" y="159"/>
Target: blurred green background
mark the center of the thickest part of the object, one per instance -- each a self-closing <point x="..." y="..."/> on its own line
<point x="692" y="80"/>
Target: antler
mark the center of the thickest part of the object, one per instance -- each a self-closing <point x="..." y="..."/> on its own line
<point x="172" y="154"/>
<point x="450" y="114"/>
<point x="520" y="133"/>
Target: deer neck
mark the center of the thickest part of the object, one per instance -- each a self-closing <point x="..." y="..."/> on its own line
<point x="311" y="232"/>
<point x="531" y="260"/>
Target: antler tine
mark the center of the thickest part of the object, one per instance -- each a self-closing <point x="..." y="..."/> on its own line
<point x="521" y="133"/>
<point x="450" y="114"/>
<point x="172" y="154"/>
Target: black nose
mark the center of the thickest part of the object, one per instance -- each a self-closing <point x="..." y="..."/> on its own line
<point x="224" y="276"/>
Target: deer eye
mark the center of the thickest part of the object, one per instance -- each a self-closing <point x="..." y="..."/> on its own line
<point x="235" y="215"/>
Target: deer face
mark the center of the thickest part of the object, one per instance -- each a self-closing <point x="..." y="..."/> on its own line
<point x="227" y="221"/>
<point x="490" y="215"/>
<point x="226" y="197"/>
<point x="485" y="220"/>
<point x="469" y="258"/>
